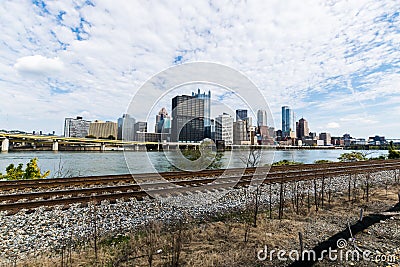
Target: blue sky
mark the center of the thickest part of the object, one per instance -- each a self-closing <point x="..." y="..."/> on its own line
<point x="336" y="63"/>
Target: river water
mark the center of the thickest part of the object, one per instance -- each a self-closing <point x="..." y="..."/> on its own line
<point x="64" y="164"/>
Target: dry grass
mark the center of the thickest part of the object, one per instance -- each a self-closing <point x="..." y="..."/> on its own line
<point x="221" y="243"/>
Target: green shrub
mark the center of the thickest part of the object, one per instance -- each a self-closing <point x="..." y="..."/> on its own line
<point x="393" y="154"/>
<point x="320" y="161"/>
<point x="286" y="162"/>
<point x="32" y="171"/>
<point x="352" y="156"/>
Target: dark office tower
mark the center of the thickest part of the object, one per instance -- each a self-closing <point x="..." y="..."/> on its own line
<point x="207" y="111"/>
<point x="302" y="129"/>
<point x="125" y="128"/>
<point x="241" y="114"/>
<point x="187" y="119"/>
<point x="287" y="121"/>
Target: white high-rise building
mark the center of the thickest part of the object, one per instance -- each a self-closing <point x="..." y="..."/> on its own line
<point x="125" y="127"/>
<point x="224" y="128"/>
<point x="76" y="127"/>
<point x="261" y="117"/>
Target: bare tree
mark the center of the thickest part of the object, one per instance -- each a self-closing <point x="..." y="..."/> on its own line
<point x="152" y="234"/>
<point x="252" y="159"/>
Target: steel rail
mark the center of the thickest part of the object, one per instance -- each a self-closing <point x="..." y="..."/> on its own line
<point x="163" y="188"/>
<point x="129" y="178"/>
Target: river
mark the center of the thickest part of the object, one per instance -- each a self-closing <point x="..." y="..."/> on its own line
<point x="64" y="164"/>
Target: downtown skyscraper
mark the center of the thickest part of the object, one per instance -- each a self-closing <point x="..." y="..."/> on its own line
<point x="187" y="119"/>
<point x="288" y="127"/>
<point x="207" y="111"/>
<point x="261" y="117"/>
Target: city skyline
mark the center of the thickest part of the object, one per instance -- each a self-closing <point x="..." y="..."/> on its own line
<point x="336" y="64"/>
<point x="287" y="113"/>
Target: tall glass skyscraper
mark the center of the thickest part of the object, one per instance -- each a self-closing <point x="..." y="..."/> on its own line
<point x="207" y="111"/>
<point x="287" y="121"/>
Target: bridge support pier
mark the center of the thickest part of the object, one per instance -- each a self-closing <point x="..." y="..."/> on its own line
<point x="55" y="146"/>
<point x="5" y="144"/>
<point x="103" y="147"/>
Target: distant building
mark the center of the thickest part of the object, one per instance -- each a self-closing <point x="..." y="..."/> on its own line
<point x="302" y="129"/>
<point x="337" y="141"/>
<point x="125" y="127"/>
<point x="347" y="139"/>
<point x="249" y="127"/>
<point x="241" y="114"/>
<point x="239" y="132"/>
<point x="359" y="142"/>
<point x="139" y="127"/>
<point x="163" y="122"/>
<point x="261" y="117"/>
<point x="76" y="127"/>
<point x="313" y="135"/>
<point x="326" y="137"/>
<point x="377" y="140"/>
<point x="224" y="128"/>
<point x="212" y="129"/>
<point x="312" y="142"/>
<point x="187" y="119"/>
<point x="104" y="130"/>
<point x="152" y="137"/>
<point x="207" y="111"/>
<point x="278" y="134"/>
<point x="287" y="122"/>
<point x="265" y="135"/>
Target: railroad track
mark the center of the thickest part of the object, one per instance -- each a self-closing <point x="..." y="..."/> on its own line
<point x="132" y="178"/>
<point x="204" y="181"/>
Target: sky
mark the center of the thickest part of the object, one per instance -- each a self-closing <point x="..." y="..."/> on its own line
<point x="335" y="63"/>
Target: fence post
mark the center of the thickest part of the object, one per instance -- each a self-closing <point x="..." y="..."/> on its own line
<point x="301" y="243"/>
<point x="367" y="190"/>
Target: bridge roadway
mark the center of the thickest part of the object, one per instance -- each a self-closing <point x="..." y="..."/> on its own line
<point x="54" y="142"/>
<point x="18" y="195"/>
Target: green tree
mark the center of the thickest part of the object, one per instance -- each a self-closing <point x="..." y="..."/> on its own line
<point x="352" y="156"/>
<point x="32" y="171"/>
<point x="205" y="157"/>
<point x="286" y="162"/>
<point x="13" y="173"/>
<point x="393" y="154"/>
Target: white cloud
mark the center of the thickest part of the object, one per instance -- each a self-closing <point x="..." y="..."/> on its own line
<point x="332" y="125"/>
<point x="341" y="57"/>
<point x="38" y="65"/>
